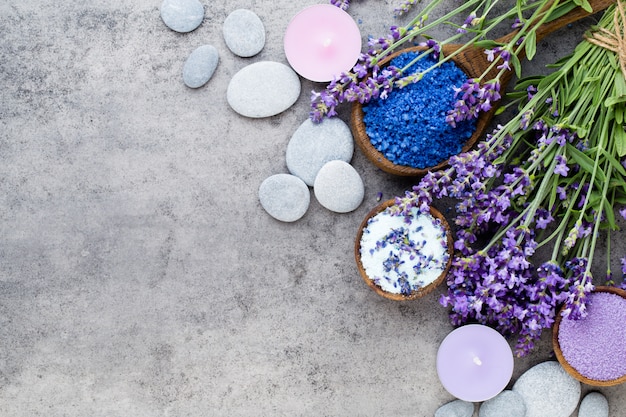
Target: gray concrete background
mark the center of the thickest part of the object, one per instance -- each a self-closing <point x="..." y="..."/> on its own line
<point x="139" y="275"/>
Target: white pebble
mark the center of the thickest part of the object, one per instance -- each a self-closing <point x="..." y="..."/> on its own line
<point x="457" y="408"/>
<point x="594" y="405"/>
<point x="200" y="66"/>
<point x="263" y="89"/>
<point x="548" y="390"/>
<point x="314" y="144"/>
<point x="285" y="197"/>
<point x="244" y="33"/>
<point x="338" y="187"/>
<point x="507" y="403"/>
<point x="182" y="15"/>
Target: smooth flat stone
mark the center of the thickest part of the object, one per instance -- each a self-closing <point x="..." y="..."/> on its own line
<point x="263" y="89"/>
<point x="314" y="144"/>
<point x="285" y="197"/>
<point x="244" y="33"/>
<point x="507" y="403"/>
<point x="200" y="66"/>
<point x="338" y="187"/>
<point x="594" y="404"/>
<point x="182" y="15"/>
<point x="457" y="408"/>
<point x="548" y="390"/>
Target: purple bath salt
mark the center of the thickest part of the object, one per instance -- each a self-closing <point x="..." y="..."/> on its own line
<point x="596" y="345"/>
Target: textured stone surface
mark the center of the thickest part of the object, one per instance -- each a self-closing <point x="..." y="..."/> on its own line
<point x="548" y="390"/>
<point x="507" y="403"/>
<point x="244" y="33"/>
<point x="456" y="408"/>
<point x="182" y="15"/>
<point x="594" y="404"/>
<point x="314" y="144"/>
<point x="139" y="274"/>
<point x="339" y="187"/>
<point x="263" y="89"/>
<point x="285" y="197"/>
<point x="200" y="66"/>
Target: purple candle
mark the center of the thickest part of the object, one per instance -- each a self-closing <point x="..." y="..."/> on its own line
<point x="321" y="42"/>
<point x="474" y="363"/>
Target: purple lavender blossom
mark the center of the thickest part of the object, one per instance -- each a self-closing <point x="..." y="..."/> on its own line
<point x="472" y="99"/>
<point x="405" y="7"/>
<point x="561" y="167"/>
<point x="342" y="4"/>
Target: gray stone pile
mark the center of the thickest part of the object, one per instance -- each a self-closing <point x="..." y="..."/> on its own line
<point x="544" y="390"/>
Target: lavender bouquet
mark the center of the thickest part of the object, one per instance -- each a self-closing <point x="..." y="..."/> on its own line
<point x="545" y="183"/>
<point x="473" y="22"/>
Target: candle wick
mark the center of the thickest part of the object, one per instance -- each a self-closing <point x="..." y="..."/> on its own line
<point x="477" y="361"/>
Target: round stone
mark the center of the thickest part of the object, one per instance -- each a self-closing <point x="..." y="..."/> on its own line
<point x="548" y="390"/>
<point x="507" y="403"/>
<point x="338" y="187"/>
<point x="594" y="405"/>
<point x="285" y="197"/>
<point x="200" y="66"/>
<point x="244" y="33"/>
<point x="314" y="144"/>
<point x="182" y="15"/>
<point x="263" y="89"/>
<point x="457" y="408"/>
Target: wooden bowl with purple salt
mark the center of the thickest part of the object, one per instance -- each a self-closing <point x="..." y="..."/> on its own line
<point x="407" y="134"/>
<point x="403" y="258"/>
<point x="593" y="349"/>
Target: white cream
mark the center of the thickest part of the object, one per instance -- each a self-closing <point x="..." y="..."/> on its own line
<point x="425" y="231"/>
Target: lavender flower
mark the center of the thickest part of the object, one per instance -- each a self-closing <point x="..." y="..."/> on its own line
<point x="546" y="178"/>
<point x="342" y="4"/>
<point x="365" y="81"/>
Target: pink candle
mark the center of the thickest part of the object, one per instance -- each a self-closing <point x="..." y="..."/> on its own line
<point x="321" y="42"/>
<point x="474" y="363"/>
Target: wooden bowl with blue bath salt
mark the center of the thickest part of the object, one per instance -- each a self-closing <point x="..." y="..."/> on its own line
<point x="409" y="136"/>
<point x="403" y="260"/>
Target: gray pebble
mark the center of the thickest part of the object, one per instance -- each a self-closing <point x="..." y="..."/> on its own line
<point x="263" y="89"/>
<point x="182" y="15"/>
<point x="507" y="403"/>
<point x="457" y="408"/>
<point x="314" y="144"/>
<point x="338" y="187"/>
<point x="548" y="390"/>
<point x="285" y="197"/>
<point x="200" y="66"/>
<point x="244" y="33"/>
<point x="594" y="405"/>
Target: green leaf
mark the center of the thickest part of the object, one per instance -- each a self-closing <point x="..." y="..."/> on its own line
<point x="619" y="136"/>
<point x="614" y="162"/>
<point x="531" y="45"/>
<point x="619" y="114"/>
<point x="486" y="44"/>
<point x="561" y="10"/>
<point x="500" y="110"/>
<point x="620" y="84"/>
<point x="585" y="5"/>
<point x="612" y="101"/>
<point x="585" y="163"/>
<point x="610" y="215"/>
<point x="517" y="66"/>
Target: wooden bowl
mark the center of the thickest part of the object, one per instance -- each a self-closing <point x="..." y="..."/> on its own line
<point x="361" y="138"/>
<point x="569" y="368"/>
<point x="414" y="294"/>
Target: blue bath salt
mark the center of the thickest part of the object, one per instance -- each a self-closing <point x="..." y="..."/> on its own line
<point x="409" y="127"/>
